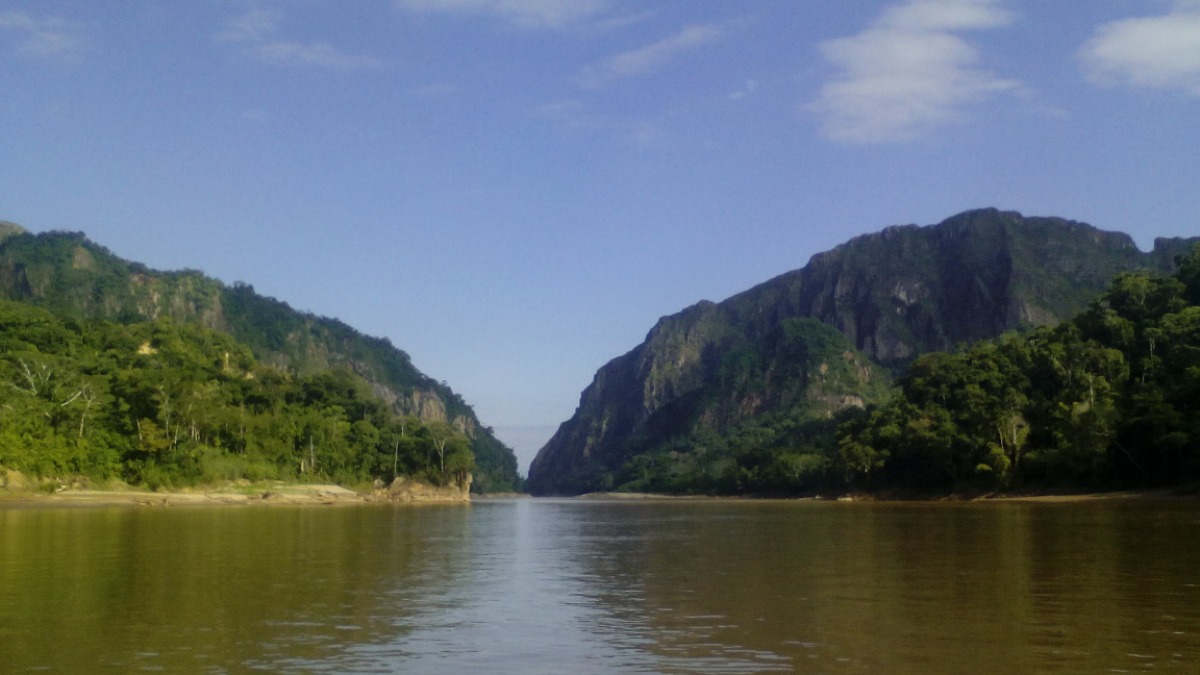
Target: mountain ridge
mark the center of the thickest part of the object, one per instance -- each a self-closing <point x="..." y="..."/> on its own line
<point x="891" y="295"/>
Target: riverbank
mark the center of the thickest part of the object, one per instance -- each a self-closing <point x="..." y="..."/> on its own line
<point x="223" y="495"/>
<point x="237" y="493"/>
<point x="1086" y="497"/>
<point x="999" y="497"/>
<point x="242" y="493"/>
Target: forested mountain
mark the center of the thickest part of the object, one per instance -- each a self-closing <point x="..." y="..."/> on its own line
<point x="85" y="287"/>
<point x="1109" y="399"/>
<point x="744" y="395"/>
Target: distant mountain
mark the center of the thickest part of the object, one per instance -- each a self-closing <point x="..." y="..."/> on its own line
<point x="72" y="276"/>
<point x="796" y="349"/>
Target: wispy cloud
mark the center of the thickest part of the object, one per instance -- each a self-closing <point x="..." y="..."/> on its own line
<point x="40" y="37"/>
<point x="909" y="72"/>
<point x="575" y="116"/>
<point x="744" y="91"/>
<point x="257" y="31"/>
<point x="1155" y="51"/>
<point x="314" y="54"/>
<point x="257" y="25"/>
<point x="649" y="58"/>
<point x="545" y="14"/>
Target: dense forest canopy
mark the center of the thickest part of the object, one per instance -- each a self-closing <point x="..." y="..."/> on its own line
<point x="163" y="403"/>
<point x="1110" y="399"/>
<point x="85" y="285"/>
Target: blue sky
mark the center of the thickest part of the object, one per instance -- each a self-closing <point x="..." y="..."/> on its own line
<point x="514" y="191"/>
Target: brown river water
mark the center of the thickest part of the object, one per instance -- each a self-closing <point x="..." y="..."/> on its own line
<point x="582" y="586"/>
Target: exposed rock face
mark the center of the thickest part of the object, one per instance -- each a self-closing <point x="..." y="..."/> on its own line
<point x="14" y="481"/>
<point x="404" y="489"/>
<point x="910" y="289"/>
<point x="8" y="229"/>
<point x="893" y="295"/>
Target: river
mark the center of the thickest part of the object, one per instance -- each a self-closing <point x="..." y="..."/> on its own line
<point x="581" y="586"/>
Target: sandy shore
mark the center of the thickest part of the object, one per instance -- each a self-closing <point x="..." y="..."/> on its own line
<point x="246" y="495"/>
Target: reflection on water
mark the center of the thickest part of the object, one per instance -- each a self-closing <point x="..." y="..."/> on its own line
<point x="557" y="586"/>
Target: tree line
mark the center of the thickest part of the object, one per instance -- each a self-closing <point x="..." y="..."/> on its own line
<point x="162" y="403"/>
<point x="1110" y="399"/>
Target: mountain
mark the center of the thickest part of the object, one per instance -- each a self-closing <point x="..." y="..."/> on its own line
<point x="71" y="276"/>
<point x="752" y="375"/>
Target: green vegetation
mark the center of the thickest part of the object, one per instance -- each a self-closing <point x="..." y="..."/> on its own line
<point x="304" y="343"/>
<point x="103" y="309"/>
<point x="84" y="284"/>
<point x="1108" y="400"/>
<point x="729" y="369"/>
<point x="163" y="403"/>
<point x="763" y="423"/>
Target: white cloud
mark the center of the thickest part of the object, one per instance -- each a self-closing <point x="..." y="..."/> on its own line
<point x="1156" y="51"/>
<point x="313" y="54"/>
<point x="524" y="13"/>
<point x="649" y="58"/>
<point x="909" y="72"/>
<point x="256" y="30"/>
<point x="945" y="15"/>
<point x="254" y="26"/>
<point x="40" y="37"/>
<point x="575" y="116"/>
<point x="747" y="89"/>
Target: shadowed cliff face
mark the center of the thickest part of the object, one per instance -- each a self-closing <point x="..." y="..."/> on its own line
<point x="888" y="296"/>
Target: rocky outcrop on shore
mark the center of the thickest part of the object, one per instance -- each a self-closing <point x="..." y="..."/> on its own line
<point x="404" y="489"/>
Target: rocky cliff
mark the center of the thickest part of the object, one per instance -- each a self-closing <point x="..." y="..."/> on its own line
<point x="825" y="336"/>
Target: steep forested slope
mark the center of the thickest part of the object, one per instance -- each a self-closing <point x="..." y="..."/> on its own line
<point x="725" y="397"/>
<point x="76" y="279"/>
<point x="1109" y="399"/>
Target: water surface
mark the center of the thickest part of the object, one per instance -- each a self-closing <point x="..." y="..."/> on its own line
<point x="546" y="586"/>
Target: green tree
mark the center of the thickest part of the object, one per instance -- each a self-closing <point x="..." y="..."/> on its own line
<point x="450" y="450"/>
